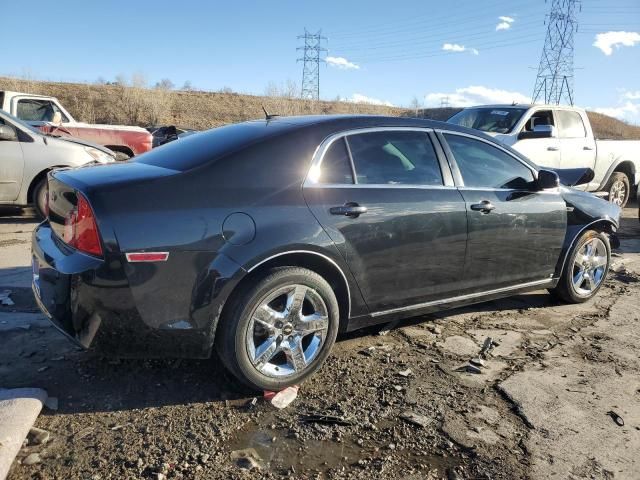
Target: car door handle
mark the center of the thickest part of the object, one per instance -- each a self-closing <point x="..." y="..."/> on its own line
<point x="485" y="206"/>
<point x="553" y="149"/>
<point x="587" y="148"/>
<point x="348" y="210"/>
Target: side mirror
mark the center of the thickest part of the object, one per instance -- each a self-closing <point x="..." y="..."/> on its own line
<point x="8" y="134"/>
<point x="539" y="131"/>
<point x="547" y="179"/>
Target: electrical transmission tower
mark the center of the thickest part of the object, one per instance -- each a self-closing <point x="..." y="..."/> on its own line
<point x="310" y="59"/>
<point x="444" y="102"/>
<point x="554" y="83"/>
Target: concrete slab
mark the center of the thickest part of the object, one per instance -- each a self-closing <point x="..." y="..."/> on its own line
<point x="19" y="409"/>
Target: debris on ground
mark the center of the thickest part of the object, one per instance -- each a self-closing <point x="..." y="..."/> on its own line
<point x="415" y="418"/>
<point x="31" y="459"/>
<point x="247" y="459"/>
<point x="405" y="373"/>
<point x="388" y="327"/>
<point x="469" y="368"/>
<point x="488" y="345"/>
<point x="5" y="298"/>
<point x="326" y="419"/>
<point x="616" y="418"/>
<point x="283" y="398"/>
<point x="38" y="436"/>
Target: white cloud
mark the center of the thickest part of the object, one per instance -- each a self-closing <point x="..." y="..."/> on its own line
<point x="609" y="40"/>
<point x="476" y="95"/>
<point x="454" y="47"/>
<point x="342" y="63"/>
<point x="505" y="23"/>
<point x="359" y="98"/>
<point x="629" y="111"/>
<point x="632" y="95"/>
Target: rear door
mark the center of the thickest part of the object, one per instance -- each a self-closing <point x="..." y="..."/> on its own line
<point x="516" y="233"/>
<point x="542" y="151"/>
<point x="389" y="204"/>
<point x="11" y="168"/>
<point x="577" y="149"/>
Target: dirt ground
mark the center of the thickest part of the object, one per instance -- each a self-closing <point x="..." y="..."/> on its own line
<point x="388" y="406"/>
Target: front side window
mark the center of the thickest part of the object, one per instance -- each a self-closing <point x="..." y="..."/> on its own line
<point x="541" y="117"/>
<point x="484" y="166"/>
<point x="32" y="110"/>
<point x="336" y="166"/>
<point x="495" y="120"/>
<point x="571" y="124"/>
<point x="393" y="157"/>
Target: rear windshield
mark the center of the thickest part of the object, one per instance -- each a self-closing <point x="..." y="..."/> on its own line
<point x="496" y="120"/>
<point x="195" y="150"/>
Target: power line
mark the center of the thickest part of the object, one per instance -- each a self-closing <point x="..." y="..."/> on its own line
<point x="312" y="48"/>
<point x="554" y="82"/>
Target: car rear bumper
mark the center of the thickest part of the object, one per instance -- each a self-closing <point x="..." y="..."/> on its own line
<point x="115" y="308"/>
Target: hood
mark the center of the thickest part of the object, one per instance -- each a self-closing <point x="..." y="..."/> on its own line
<point x="574" y="176"/>
<point x="84" y="143"/>
<point x="125" y="128"/>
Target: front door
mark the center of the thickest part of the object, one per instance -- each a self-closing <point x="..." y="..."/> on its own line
<point x="542" y="151"/>
<point x="515" y="232"/>
<point x="11" y="168"/>
<point x="401" y="230"/>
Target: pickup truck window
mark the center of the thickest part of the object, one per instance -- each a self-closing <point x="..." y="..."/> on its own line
<point x="484" y="166"/>
<point x="33" y="110"/>
<point x="571" y="124"/>
<point x="541" y="117"/>
<point x="496" y="120"/>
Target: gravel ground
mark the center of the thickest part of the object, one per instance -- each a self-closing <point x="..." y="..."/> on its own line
<point x="393" y="406"/>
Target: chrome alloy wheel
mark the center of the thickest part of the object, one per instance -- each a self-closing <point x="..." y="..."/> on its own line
<point x="589" y="267"/>
<point x="618" y="193"/>
<point x="287" y="331"/>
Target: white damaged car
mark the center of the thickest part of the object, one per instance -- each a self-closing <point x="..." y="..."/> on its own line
<point x="27" y="155"/>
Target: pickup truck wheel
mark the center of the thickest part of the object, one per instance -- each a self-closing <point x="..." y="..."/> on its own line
<point x="586" y="268"/>
<point x="40" y="192"/>
<point x="618" y="189"/>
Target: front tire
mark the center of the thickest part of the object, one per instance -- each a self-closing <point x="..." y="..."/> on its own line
<point x="40" y="193"/>
<point x="618" y="189"/>
<point x="586" y="268"/>
<point x="279" y="329"/>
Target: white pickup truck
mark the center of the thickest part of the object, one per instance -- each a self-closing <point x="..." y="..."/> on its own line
<point x="561" y="137"/>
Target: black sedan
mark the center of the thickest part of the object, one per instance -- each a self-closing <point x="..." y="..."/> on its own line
<point x="262" y="241"/>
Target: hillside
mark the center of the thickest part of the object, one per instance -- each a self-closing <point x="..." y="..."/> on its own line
<point x="201" y="110"/>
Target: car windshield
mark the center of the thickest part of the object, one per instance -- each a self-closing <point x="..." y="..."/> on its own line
<point x="495" y="120"/>
<point x="16" y="120"/>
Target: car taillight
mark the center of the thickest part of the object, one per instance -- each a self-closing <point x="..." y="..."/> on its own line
<point x="80" y="229"/>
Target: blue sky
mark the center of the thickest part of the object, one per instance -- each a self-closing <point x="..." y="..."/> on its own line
<point x="380" y="50"/>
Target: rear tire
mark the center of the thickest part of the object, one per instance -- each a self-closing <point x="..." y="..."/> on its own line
<point x="39" y="198"/>
<point x="266" y="338"/>
<point x="586" y="268"/>
<point x="618" y="189"/>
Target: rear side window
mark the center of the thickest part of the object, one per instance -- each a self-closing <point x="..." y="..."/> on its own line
<point x="484" y="166"/>
<point x="336" y="166"/>
<point x="198" y="149"/>
<point x="571" y="124"/>
<point x="395" y="157"/>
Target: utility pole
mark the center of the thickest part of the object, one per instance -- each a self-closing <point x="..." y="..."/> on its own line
<point x="554" y="83"/>
<point x="312" y="48"/>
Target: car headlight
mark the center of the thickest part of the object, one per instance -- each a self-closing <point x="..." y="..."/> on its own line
<point x="99" y="156"/>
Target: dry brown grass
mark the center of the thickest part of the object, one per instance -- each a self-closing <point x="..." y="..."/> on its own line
<point x="200" y="110"/>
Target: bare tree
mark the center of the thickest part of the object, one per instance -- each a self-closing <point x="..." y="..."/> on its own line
<point x="165" y="84"/>
<point x="187" y="86"/>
